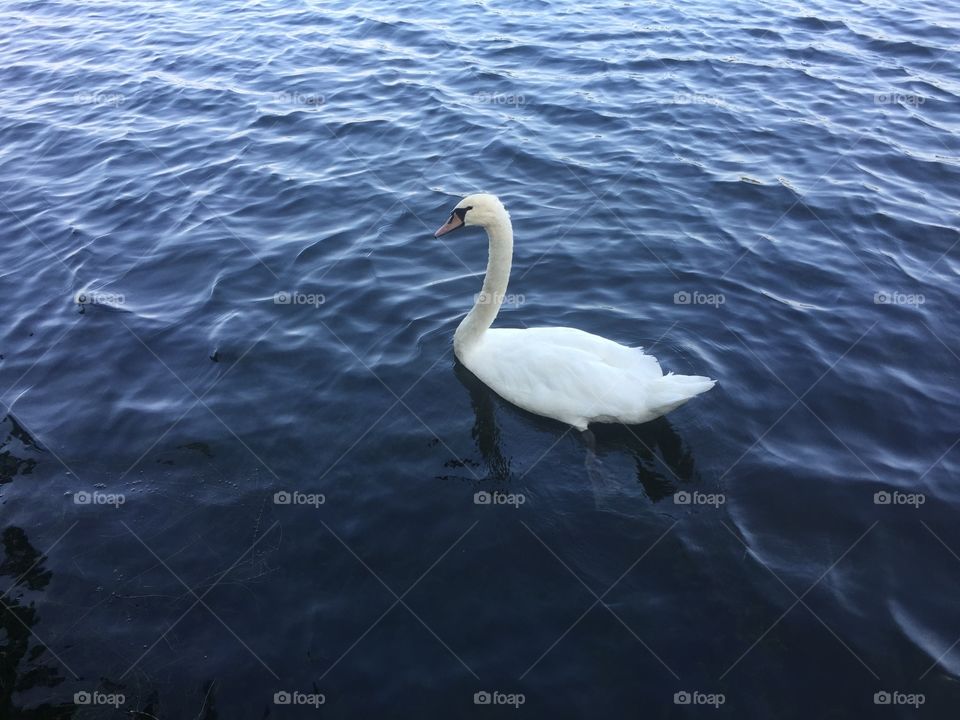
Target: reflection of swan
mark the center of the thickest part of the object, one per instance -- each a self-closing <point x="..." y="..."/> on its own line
<point x="662" y="459"/>
<point x="561" y="373"/>
<point x="486" y="432"/>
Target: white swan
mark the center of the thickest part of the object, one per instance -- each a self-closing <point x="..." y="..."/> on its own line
<point x="562" y="373"/>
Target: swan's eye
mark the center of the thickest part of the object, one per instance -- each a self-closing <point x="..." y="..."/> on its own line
<point x="460" y="212"/>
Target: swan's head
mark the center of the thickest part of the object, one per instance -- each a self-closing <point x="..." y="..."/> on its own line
<point x="480" y="209"/>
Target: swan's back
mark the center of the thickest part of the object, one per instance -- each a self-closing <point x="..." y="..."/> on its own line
<point x="576" y="377"/>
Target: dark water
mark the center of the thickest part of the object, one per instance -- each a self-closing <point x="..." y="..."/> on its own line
<point x="175" y="166"/>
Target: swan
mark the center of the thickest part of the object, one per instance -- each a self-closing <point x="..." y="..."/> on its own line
<point x="558" y="372"/>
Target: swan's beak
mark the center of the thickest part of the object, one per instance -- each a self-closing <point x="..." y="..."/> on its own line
<point x="450" y="225"/>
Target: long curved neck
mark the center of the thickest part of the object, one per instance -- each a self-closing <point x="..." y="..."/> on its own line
<point x="487" y="305"/>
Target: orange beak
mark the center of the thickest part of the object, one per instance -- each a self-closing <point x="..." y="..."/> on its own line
<point x="450" y="225"/>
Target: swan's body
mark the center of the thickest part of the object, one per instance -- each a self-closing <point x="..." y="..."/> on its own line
<point x="561" y="373"/>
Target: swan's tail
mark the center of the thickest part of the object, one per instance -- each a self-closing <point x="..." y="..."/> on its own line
<point x="671" y="391"/>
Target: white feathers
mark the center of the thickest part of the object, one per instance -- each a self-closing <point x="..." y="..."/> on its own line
<point x="562" y="373"/>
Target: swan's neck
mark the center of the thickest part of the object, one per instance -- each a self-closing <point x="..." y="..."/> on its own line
<point x="487" y="305"/>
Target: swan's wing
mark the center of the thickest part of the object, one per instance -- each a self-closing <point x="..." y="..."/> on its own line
<point x="564" y="373"/>
<point x="612" y="353"/>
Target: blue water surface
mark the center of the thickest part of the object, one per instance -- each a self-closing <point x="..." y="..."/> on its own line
<point x="239" y="463"/>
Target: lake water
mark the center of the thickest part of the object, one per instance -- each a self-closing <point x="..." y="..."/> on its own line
<point x="221" y="286"/>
